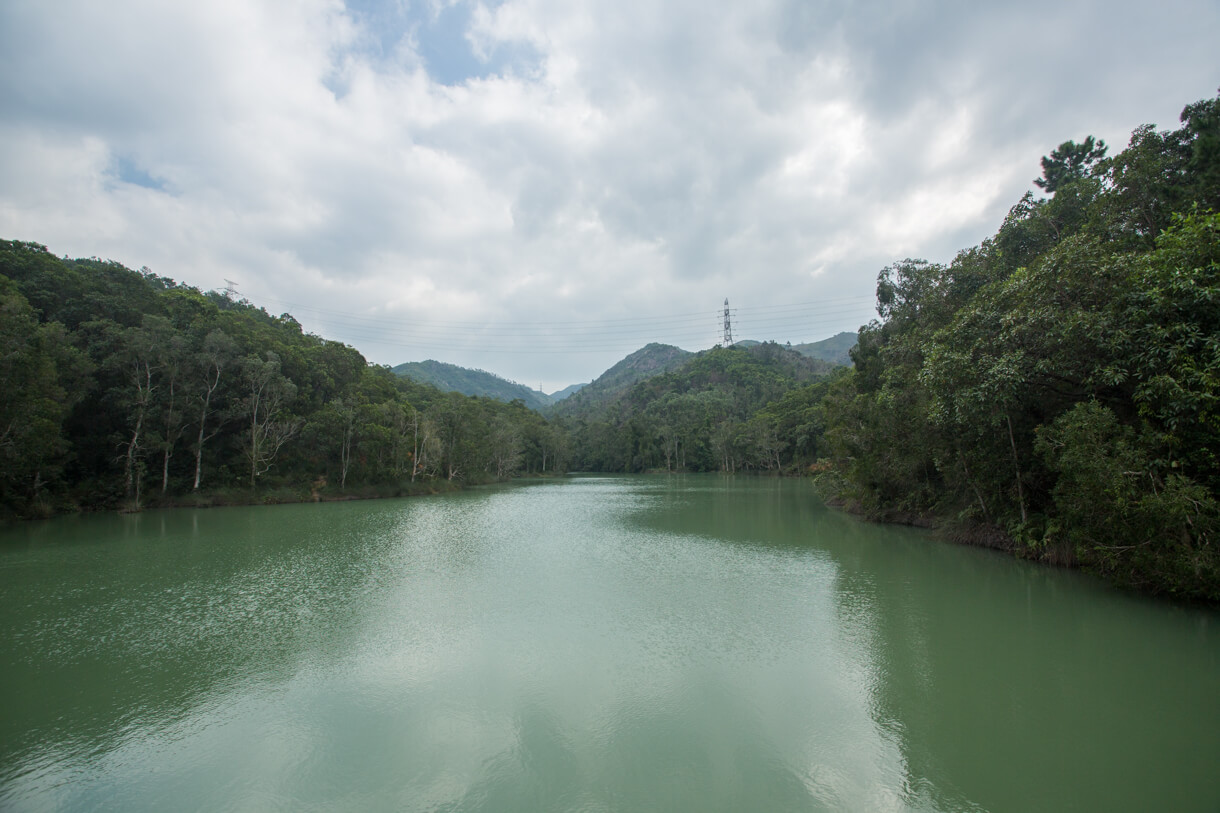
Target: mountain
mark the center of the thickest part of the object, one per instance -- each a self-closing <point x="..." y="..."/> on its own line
<point x="650" y="360"/>
<point x="725" y="408"/>
<point x="566" y="391"/>
<point x="450" y="377"/>
<point x="835" y="349"/>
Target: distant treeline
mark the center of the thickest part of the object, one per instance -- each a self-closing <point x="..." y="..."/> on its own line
<point x="1058" y="386"/>
<point x="122" y="388"/>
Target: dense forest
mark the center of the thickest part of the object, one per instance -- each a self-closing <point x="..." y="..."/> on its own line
<point x="1055" y="388"/>
<point x="726" y="409"/>
<point x="123" y="389"/>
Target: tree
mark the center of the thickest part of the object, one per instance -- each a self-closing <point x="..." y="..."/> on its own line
<point x="426" y="451"/>
<point x="268" y="391"/>
<point x="172" y="424"/>
<point x="505" y="446"/>
<point x="214" y="357"/>
<point x="337" y="424"/>
<point x="1122" y="513"/>
<point x="139" y="356"/>
<point x="1070" y="162"/>
<point x="42" y="377"/>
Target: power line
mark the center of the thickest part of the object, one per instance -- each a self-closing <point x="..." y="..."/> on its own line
<point x="516" y="326"/>
<point x="591" y="331"/>
<point x="584" y="336"/>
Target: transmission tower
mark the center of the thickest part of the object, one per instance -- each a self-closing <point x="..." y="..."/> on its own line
<point x="728" y="325"/>
<point x="230" y="289"/>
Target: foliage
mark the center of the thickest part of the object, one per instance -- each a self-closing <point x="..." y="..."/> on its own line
<point x="1070" y="162"/>
<point x="120" y="384"/>
<point x="650" y="360"/>
<point x="705" y="415"/>
<point x="1060" y="382"/>
<point x="1125" y="515"/>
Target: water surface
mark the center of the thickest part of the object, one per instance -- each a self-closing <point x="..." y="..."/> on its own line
<point x="596" y="644"/>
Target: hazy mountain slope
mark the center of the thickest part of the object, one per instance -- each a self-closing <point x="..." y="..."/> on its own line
<point x="571" y="389"/>
<point x="650" y="360"/>
<point x="450" y="377"/>
<point x="835" y="349"/>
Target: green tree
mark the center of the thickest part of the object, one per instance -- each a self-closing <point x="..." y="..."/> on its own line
<point x="1121" y="514"/>
<point x="217" y="356"/>
<point x="42" y="376"/>
<point x="268" y="392"/>
<point x="1070" y="162"/>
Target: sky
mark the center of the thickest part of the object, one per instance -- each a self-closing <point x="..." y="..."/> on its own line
<point x="539" y="187"/>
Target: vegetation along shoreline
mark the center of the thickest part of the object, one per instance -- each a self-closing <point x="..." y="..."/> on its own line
<point x="1053" y="391"/>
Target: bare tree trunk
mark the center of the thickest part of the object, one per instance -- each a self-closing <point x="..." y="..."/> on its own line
<point x="255" y="449"/>
<point x="1017" y="466"/>
<point x="199" y="444"/>
<point x="172" y="430"/>
<point x="973" y="485"/>
<point x="133" y="447"/>
<point x="216" y="355"/>
<point x="345" y="457"/>
<point x="269" y="390"/>
<point x="415" y="454"/>
<point x="143" y="395"/>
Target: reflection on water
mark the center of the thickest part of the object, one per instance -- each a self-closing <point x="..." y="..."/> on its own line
<point x="609" y="643"/>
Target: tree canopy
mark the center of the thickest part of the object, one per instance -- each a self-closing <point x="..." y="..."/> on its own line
<point x="123" y="387"/>
<point x="1055" y="388"/>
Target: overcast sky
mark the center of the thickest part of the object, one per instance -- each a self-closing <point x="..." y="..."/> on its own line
<point x="539" y="187"/>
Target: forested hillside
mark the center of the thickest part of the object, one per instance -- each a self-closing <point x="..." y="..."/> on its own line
<point x="122" y="387"/>
<point x="725" y="409"/>
<point x="836" y="349"/>
<point x="649" y="360"/>
<point x="1057" y="386"/>
<point x="452" y="378"/>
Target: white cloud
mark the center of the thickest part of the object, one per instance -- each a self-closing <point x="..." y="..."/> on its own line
<point x="543" y="167"/>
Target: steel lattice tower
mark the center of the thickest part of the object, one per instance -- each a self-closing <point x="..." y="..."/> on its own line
<point x="728" y="325"/>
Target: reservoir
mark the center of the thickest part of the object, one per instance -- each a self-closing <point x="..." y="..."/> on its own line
<point x="646" y="643"/>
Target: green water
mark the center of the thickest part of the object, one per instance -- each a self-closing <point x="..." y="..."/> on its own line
<point x="596" y="644"/>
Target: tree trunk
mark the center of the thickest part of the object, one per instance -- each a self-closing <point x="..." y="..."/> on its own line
<point x="415" y="454"/>
<point x="172" y="429"/>
<point x="199" y="449"/>
<point x="132" y="447"/>
<point x="1017" y="466"/>
<point x="973" y="485"/>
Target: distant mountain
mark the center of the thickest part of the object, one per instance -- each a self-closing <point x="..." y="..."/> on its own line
<point x="650" y="360"/>
<point x="452" y="378"/>
<point x="835" y="349"/>
<point x="566" y="391"/>
<point x="704" y="414"/>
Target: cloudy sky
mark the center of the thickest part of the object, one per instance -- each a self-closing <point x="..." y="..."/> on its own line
<point x="539" y="187"/>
